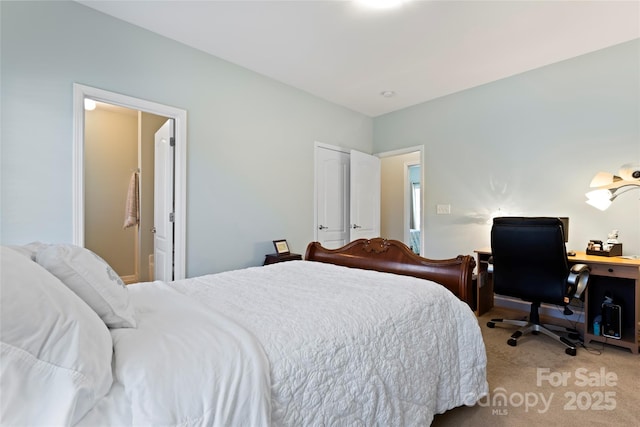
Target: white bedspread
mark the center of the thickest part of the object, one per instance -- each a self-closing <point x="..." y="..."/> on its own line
<point x="349" y="347"/>
<point x="184" y="365"/>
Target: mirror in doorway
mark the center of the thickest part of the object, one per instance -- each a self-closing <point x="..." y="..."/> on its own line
<point x="414" y="207"/>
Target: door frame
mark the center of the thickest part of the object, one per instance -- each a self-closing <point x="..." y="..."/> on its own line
<point x="80" y="92"/>
<point x="423" y="215"/>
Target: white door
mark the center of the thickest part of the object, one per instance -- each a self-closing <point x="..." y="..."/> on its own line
<point x="163" y="210"/>
<point x="332" y="197"/>
<point x="365" y="196"/>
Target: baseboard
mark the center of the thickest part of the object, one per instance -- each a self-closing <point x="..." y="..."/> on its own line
<point x="546" y="310"/>
<point x="130" y="279"/>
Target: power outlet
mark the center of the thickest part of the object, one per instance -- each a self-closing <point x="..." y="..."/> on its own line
<point x="443" y="209"/>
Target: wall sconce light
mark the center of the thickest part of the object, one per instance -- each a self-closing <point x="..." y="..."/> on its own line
<point x="609" y="186"/>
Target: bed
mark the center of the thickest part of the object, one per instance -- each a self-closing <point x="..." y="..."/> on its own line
<point x="324" y="341"/>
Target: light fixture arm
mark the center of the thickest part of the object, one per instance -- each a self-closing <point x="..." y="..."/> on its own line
<point x="624" y="189"/>
<point x="609" y="186"/>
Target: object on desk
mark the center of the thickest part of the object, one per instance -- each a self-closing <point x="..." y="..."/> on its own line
<point x="612" y="237"/>
<point x="593" y="243"/>
<point x="614" y="249"/>
<point x="565" y="227"/>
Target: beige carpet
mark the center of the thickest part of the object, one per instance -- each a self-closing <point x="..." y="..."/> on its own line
<point x="543" y="386"/>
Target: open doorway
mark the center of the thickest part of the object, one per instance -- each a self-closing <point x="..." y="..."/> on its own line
<point x="402" y="201"/>
<point x="119" y="188"/>
<point x="178" y="181"/>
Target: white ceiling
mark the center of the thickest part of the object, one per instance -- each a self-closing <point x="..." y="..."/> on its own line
<point x="347" y="54"/>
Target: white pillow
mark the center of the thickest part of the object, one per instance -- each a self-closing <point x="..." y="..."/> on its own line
<point x="93" y="280"/>
<point x="30" y="249"/>
<point x="56" y="352"/>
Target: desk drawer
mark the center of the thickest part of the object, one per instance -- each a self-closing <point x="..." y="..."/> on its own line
<point x="629" y="272"/>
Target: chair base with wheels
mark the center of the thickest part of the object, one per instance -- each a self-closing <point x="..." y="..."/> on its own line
<point x="534" y="327"/>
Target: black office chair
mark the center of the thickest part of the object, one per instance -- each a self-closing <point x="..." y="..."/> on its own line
<point x="529" y="261"/>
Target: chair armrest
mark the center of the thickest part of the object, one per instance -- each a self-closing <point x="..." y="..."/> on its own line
<point x="578" y="278"/>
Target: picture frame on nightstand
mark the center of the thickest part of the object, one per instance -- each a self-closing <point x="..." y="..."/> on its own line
<point x="282" y="247"/>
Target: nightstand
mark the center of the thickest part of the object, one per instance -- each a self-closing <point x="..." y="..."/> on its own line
<point x="273" y="258"/>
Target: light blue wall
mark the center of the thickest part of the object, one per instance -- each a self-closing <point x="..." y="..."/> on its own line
<point x="250" y="152"/>
<point x="527" y="145"/>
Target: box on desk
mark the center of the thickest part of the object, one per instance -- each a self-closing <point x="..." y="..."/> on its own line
<point x="614" y="250"/>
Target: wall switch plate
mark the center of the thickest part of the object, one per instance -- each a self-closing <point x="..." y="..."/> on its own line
<point x="443" y="209"/>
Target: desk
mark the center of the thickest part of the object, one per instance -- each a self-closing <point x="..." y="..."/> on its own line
<point x="618" y="276"/>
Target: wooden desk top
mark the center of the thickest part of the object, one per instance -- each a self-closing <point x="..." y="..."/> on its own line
<point x="581" y="256"/>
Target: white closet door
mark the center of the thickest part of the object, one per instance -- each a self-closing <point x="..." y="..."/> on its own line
<point x="365" y="196"/>
<point x="332" y="197"/>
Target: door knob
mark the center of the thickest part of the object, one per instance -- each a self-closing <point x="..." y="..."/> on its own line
<point x="322" y="227"/>
<point x="153" y="230"/>
<point x="356" y="226"/>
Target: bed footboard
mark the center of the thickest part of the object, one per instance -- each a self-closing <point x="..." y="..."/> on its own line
<point x="393" y="256"/>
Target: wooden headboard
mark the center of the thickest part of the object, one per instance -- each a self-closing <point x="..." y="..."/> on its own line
<point x="392" y="256"/>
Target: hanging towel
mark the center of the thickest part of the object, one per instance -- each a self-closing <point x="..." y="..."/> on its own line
<point x="132" y="210"/>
